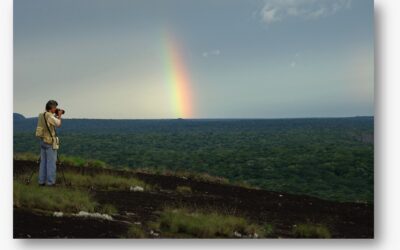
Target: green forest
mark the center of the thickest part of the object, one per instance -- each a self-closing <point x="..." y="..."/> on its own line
<point x="329" y="158"/>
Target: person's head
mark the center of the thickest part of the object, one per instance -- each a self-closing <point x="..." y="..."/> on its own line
<point x="51" y="106"/>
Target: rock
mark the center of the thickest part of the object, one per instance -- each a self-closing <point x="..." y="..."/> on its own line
<point x="237" y="234"/>
<point x="58" y="214"/>
<point x="136" y="189"/>
<point x="94" y="215"/>
<point x="154" y="233"/>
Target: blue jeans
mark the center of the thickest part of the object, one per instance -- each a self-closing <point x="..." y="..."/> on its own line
<point x="48" y="158"/>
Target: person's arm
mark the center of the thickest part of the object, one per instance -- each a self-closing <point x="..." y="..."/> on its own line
<point x="59" y="120"/>
<point x="54" y="121"/>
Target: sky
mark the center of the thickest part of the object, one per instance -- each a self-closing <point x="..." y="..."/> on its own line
<point x="151" y="59"/>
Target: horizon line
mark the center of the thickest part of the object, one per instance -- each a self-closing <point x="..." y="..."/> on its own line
<point x="226" y="118"/>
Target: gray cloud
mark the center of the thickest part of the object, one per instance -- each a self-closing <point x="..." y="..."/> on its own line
<point x="216" y="52"/>
<point x="279" y="10"/>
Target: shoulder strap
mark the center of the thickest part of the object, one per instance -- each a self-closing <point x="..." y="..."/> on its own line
<point x="45" y="121"/>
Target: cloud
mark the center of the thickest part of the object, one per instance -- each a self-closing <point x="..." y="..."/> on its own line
<point x="216" y="52"/>
<point x="278" y="10"/>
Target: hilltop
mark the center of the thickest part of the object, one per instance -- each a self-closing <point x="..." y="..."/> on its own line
<point x="18" y="117"/>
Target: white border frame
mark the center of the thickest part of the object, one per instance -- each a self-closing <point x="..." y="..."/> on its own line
<point x="387" y="159"/>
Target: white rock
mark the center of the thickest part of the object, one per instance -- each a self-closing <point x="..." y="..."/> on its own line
<point x="58" y="214"/>
<point x="94" y="215"/>
<point x="237" y="234"/>
<point x="154" y="233"/>
<point x="136" y="189"/>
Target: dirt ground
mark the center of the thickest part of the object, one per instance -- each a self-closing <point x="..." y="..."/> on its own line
<point x="283" y="211"/>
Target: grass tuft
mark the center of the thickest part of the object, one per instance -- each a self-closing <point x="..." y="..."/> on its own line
<point x="52" y="199"/>
<point x="96" y="181"/>
<point x="67" y="160"/>
<point x="184" y="189"/>
<point x="135" y="231"/>
<point x="184" y="222"/>
<point x="311" y="231"/>
<point x="107" y="209"/>
<point x="105" y="181"/>
<point x="26" y="156"/>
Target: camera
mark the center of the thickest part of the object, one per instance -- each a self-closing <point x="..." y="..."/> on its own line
<point x="62" y="111"/>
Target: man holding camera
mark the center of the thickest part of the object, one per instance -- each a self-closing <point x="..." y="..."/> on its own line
<point x="49" y="142"/>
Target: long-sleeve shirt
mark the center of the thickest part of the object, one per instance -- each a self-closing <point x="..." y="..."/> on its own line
<point x="54" y="121"/>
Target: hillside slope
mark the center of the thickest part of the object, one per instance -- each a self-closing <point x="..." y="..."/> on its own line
<point x="283" y="211"/>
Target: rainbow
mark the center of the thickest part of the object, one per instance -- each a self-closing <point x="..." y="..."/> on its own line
<point x="177" y="78"/>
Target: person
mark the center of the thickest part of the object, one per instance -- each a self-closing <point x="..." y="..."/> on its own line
<point x="46" y="131"/>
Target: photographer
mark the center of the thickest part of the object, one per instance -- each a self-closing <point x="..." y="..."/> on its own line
<point x="49" y="142"/>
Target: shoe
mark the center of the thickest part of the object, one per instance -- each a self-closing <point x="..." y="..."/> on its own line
<point x="42" y="184"/>
<point x="51" y="185"/>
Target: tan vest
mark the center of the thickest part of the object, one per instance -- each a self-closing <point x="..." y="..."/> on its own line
<point x="42" y="131"/>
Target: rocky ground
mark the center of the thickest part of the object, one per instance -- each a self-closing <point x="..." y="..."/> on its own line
<point x="283" y="211"/>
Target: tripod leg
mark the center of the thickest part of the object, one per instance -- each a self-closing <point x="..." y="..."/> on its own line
<point x="62" y="171"/>
<point x="65" y="181"/>
<point x="33" y="171"/>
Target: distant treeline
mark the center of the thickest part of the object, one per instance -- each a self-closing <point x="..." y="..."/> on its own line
<point x="331" y="158"/>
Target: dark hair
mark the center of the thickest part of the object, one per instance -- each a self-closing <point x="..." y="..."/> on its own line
<point x="50" y="104"/>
